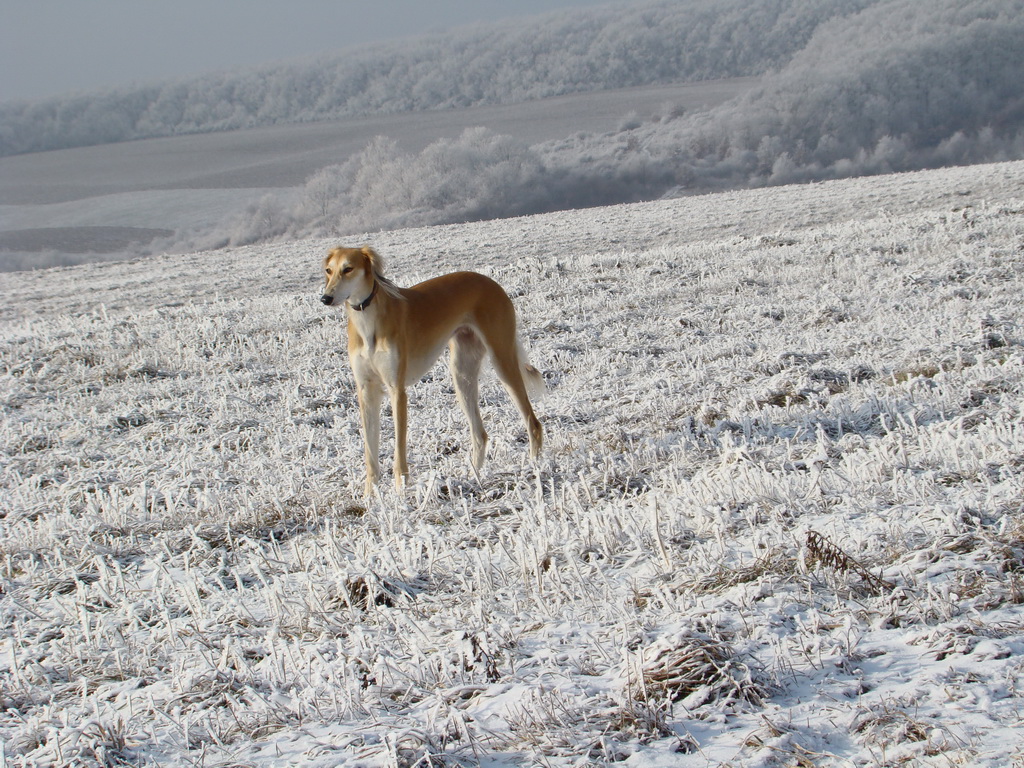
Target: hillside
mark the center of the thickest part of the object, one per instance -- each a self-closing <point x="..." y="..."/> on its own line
<point x="188" y="192"/>
<point x="836" y="89"/>
<point x="778" y="518"/>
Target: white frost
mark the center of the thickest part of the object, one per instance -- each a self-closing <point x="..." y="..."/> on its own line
<point x="778" y="519"/>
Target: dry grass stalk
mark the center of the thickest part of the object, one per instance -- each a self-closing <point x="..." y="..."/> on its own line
<point x="824" y="552"/>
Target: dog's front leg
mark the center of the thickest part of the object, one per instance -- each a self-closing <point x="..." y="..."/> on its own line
<point x="371" y="394"/>
<point x="400" y="410"/>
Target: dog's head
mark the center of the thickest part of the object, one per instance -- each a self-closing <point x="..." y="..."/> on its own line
<point x="348" y="273"/>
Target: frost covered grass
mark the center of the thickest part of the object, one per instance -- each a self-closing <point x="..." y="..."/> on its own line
<point x="778" y="520"/>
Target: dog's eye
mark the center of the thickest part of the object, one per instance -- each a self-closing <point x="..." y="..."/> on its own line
<point x="346" y="270"/>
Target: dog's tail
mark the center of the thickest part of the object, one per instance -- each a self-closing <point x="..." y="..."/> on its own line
<point x="533" y="378"/>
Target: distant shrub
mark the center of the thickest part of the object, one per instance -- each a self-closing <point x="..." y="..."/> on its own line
<point x="263" y="220"/>
<point x="479" y="175"/>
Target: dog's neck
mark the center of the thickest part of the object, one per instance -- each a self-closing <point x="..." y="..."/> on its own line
<point x="365" y="302"/>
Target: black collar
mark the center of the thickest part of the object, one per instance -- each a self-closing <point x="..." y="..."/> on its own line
<point x="366" y="302"/>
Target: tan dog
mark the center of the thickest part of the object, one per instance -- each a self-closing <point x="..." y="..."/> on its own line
<point x="396" y="334"/>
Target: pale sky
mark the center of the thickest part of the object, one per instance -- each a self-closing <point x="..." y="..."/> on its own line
<point x="57" y="47"/>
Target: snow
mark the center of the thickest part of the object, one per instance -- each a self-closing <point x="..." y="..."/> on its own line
<point x="778" y="519"/>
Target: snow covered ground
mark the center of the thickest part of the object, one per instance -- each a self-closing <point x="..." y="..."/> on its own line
<point x="779" y="519"/>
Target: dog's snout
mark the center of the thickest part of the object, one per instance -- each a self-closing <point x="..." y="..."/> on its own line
<point x="327" y="299"/>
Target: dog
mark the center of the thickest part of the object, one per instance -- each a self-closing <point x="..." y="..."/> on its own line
<point x="396" y="334"/>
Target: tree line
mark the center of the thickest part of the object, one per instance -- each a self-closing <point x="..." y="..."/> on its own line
<point x="565" y="52"/>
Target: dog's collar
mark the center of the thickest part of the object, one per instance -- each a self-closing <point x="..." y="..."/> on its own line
<point x="366" y="302"/>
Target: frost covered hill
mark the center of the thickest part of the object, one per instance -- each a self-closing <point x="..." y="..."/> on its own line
<point x="778" y="519"/>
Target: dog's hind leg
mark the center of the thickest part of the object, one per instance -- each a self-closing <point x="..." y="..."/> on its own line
<point x="467" y="352"/>
<point x="510" y="371"/>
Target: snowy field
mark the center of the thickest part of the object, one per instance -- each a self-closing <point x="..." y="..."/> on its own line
<point x="779" y="519"/>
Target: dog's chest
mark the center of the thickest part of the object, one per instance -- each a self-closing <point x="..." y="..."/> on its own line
<point x="363" y="340"/>
<point x="377" y="355"/>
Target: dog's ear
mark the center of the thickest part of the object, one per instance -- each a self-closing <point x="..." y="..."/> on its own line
<point x="376" y="261"/>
